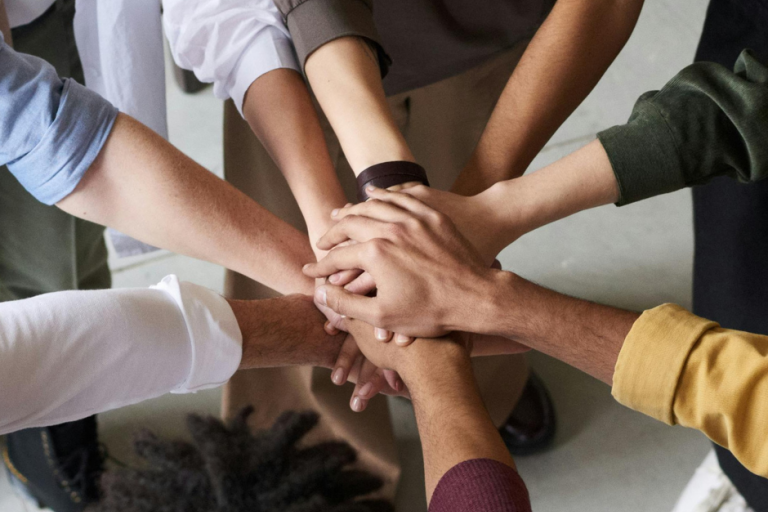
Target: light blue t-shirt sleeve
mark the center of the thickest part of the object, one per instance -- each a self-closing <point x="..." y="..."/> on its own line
<point x="51" y="129"/>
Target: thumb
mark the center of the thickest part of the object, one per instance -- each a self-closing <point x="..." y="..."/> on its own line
<point x="344" y="302"/>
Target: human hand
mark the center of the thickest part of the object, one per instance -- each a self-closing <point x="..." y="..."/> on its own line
<point x="379" y="358"/>
<point x="481" y="218"/>
<point x="429" y="278"/>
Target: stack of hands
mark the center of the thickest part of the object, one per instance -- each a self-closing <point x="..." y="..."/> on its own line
<point x="397" y="262"/>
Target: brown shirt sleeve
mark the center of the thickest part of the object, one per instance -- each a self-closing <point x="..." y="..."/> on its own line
<point x="480" y="485"/>
<point x="313" y="23"/>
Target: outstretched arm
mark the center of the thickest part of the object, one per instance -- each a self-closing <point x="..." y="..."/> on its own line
<point x="68" y="355"/>
<point x="143" y="186"/>
<point x="458" y="438"/>
<point x="564" y="61"/>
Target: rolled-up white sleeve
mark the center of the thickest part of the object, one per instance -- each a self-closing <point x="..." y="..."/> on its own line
<point x="230" y="43"/>
<point x="68" y="355"/>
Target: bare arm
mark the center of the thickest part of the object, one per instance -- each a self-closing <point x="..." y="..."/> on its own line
<point x="564" y="61"/>
<point x="280" y="112"/>
<point x="454" y="425"/>
<point x="143" y="186"/>
<point x="5" y="27"/>
<point x="284" y="331"/>
<point x="346" y="78"/>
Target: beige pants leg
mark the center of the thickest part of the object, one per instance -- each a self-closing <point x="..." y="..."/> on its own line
<point x="442" y="123"/>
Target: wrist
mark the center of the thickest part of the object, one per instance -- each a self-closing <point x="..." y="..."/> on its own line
<point x="284" y="331"/>
<point x="483" y="299"/>
<point x="434" y="365"/>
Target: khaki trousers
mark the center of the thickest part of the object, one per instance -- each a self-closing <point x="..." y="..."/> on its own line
<point x="442" y="124"/>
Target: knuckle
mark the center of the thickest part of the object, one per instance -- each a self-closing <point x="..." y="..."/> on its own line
<point x="376" y="249"/>
<point x="438" y="219"/>
<point x="396" y="230"/>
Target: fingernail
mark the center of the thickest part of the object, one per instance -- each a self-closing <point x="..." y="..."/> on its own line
<point x="330" y="329"/>
<point x="370" y="188"/>
<point x="347" y="205"/>
<point x="320" y="296"/>
<point x="357" y="404"/>
<point x="338" y="376"/>
<point x="381" y="334"/>
<point x="335" y="212"/>
<point x="402" y="339"/>
<point x="305" y="267"/>
<point x="334" y="278"/>
<point x="366" y="390"/>
<point x="398" y="385"/>
<point x="342" y="316"/>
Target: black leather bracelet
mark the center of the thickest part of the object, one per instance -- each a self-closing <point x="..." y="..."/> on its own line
<point x="389" y="174"/>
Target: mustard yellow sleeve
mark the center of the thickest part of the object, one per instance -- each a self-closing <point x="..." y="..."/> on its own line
<point x="682" y="369"/>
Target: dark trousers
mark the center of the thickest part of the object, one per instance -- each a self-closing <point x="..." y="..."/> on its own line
<point x="730" y="279"/>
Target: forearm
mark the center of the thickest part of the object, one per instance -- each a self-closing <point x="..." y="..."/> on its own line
<point x="284" y="331"/>
<point x="582" y="180"/>
<point x="346" y="79"/>
<point x="280" y="112"/>
<point x="564" y="61"/>
<point x="454" y="425"/>
<point x="143" y="186"/>
<point x="583" y="334"/>
<point x="5" y="27"/>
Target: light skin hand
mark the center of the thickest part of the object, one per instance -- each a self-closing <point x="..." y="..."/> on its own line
<point x="495" y="218"/>
<point x="414" y="255"/>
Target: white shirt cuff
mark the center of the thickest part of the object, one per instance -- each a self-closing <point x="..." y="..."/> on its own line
<point x="269" y="50"/>
<point x="215" y="338"/>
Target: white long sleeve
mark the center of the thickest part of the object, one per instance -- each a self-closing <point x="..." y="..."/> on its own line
<point x="228" y="42"/>
<point x="68" y="355"/>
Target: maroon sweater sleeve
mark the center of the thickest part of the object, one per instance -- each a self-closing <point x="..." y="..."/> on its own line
<point x="480" y="485"/>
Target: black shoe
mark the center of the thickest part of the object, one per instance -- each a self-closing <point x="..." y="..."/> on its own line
<point x="59" y="467"/>
<point x="531" y="426"/>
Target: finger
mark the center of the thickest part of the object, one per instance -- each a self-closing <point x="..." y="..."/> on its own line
<point x="330" y="329"/>
<point x="344" y="302"/>
<point x="401" y="340"/>
<point x="344" y="277"/>
<point x="363" y="285"/>
<point x="370" y="382"/>
<point x="382" y="334"/>
<point x="346" y="258"/>
<point x="375" y="209"/>
<point x="402" y="199"/>
<point x="355" y="228"/>
<point x="345" y="361"/>
<point x="354" y="373"/>
<point x="394" y="381"/>
<point x="376" y="384"/>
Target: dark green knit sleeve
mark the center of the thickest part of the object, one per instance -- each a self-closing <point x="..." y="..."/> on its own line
<point x="313" y="23"/>
<point x="706" y="122"/>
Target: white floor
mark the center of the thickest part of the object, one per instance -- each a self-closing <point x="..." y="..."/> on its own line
<point x="606" y="458"/>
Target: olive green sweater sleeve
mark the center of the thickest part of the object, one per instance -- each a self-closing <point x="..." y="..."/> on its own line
<point x="313" y="23"/>
<point x="706" y="122"/>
